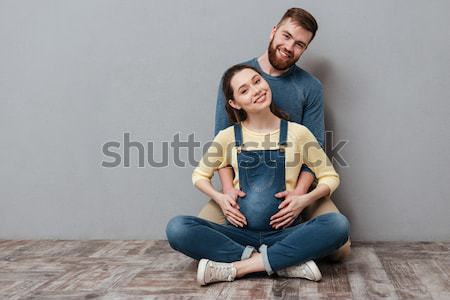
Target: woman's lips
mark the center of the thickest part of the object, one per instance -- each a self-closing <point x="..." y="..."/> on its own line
<point x="260" y="99"/>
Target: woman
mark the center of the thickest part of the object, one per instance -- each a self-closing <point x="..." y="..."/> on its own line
<point x="266" y="165"/>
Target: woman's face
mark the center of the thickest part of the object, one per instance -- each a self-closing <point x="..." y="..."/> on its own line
<point x="251" y="92"/>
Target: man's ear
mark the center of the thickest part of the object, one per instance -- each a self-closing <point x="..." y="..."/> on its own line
<point x="233" y="104"/>
<point x="272" y="33"/>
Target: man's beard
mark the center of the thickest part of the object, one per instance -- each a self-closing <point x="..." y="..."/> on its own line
<point x="277" y="63"/>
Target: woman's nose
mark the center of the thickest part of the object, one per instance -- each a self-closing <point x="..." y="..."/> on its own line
<point x="256" y="89"/>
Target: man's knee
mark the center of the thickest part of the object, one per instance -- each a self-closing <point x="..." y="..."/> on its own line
<point x="342" y="253"/>
<point x="212" y="212"/>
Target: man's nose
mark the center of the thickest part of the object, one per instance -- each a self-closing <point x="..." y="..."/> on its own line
<point x="290" y="46"/>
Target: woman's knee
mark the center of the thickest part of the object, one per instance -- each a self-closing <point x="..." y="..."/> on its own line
<point x="339" y="226"/>
<point x="177" y="230"/>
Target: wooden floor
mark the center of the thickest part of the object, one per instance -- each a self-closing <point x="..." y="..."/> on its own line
<point x="150" y="269"/>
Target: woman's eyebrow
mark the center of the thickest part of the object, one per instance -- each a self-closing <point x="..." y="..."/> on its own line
<point x="256" y="75"/>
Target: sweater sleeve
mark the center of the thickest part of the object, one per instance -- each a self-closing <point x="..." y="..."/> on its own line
<point x="316" y="159"/>
<point x="216" y="156"/>
<point x="313" y="117"/>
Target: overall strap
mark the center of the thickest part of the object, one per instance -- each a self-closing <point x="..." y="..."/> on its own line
<point x="283" y="133"/>
<point x="238" y="135"/>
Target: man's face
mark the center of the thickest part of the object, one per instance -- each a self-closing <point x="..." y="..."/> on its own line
<point x="287" y="44"/>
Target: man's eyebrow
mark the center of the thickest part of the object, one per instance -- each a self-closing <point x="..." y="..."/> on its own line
<point x="256" y="75"/>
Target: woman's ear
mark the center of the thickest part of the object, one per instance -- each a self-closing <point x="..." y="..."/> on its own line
<point x="233" y="104"/>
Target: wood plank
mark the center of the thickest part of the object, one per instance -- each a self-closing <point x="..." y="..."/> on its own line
<point x="404" y="279"/>
<point x="411" y="250"/>
<point x="134" y="269"/>
<point x="433" y="277"/>
<point x="367" y="277"/>
<point x="250" y="287"/>
<point x="334" y="283"/>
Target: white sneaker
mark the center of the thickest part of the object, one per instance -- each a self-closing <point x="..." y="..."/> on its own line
<point x="308" y="270"/>
<point x="210" y="271"/>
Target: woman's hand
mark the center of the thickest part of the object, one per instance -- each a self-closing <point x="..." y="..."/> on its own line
<point x="230" y="209"/>
<point x="290" y="209"/>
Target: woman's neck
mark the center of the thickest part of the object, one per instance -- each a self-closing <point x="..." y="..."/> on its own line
<point x="263" y="122"/>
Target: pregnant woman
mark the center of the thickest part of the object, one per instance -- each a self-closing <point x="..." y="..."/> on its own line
<point x="266" y="153"/>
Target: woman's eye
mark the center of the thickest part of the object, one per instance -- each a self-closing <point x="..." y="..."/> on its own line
<point x="243" y="91"/>
<point x="258" y="81"/>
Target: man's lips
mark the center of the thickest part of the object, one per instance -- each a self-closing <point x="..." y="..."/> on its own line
<point x="284" y="54"/>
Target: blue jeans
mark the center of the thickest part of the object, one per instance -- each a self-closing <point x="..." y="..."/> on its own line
<point x="318" y="237"/>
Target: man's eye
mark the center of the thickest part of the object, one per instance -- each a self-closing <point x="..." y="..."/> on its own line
<point x="285" y="36"/>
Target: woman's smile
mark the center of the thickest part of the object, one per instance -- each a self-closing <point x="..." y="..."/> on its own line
<point x="261" y="98"/>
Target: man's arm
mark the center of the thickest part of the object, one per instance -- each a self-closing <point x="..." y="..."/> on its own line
<point x="313" y="119"/>
<point x="313" y="116"/>
<point x="305" y="179"/>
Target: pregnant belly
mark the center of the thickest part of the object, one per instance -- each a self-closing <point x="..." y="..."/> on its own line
<point x="258" y="208"/>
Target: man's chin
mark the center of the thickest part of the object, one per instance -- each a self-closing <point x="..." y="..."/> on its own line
<point x="281" y="66"/>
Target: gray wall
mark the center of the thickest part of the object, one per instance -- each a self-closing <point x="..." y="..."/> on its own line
<point x="77" y="74"/>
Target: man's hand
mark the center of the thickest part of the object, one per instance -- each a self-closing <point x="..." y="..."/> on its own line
<point x="230" y="209"/>
<point x="234" y="193"/>
<point x="290" y="209"/>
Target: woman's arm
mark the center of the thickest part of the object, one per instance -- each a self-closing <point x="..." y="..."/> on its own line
<point x="226" y="202"/>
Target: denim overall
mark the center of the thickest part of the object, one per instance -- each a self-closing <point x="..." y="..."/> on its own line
<point x="261" y="176"/>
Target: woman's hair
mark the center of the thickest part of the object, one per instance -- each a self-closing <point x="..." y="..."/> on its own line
<point x="239" y="115"/>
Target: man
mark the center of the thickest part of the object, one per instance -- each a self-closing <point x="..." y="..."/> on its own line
<point x="300" y="95"/>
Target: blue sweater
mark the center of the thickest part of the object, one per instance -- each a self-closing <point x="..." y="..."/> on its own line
<point x="295" y="92"/>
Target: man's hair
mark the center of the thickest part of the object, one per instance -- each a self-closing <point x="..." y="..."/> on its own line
<point x="302" y="18"/>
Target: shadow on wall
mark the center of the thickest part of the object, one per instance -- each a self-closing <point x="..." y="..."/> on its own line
<point x="322" y="68"/>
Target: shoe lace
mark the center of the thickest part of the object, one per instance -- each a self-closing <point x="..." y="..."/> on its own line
<point x="219" y="271"/>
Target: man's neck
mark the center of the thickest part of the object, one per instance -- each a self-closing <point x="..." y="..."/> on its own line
<point x="267" y="67"/>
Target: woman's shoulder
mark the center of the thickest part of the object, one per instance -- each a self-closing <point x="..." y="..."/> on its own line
<point x="297" y="128"/>
<point x="298" y="131"/>
<point x="226" y="134"/>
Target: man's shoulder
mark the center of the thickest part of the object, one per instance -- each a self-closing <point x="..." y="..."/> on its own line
<point x="305" y="77"/>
